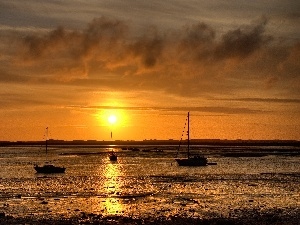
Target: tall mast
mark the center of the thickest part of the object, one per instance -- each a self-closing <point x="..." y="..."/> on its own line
<point x="46" y="139"/>
<point x="188" y="133"/>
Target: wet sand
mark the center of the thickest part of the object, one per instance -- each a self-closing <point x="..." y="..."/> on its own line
<point x="275" y="217"/>
<point x="148" y="188"/>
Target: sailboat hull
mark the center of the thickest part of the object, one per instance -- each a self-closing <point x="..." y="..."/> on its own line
<point x="192" y="162"/>
<point x="49" y="169"/>
<point x="113" y="157"/>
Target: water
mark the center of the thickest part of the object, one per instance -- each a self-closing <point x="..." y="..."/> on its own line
<point x="148" y="183"/>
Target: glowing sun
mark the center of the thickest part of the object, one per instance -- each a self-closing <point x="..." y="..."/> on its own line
<point x="112" y="119"/>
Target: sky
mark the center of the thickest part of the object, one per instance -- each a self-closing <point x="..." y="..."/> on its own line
<point x="72" y="65"/>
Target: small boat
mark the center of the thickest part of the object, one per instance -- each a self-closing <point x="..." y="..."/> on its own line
<point x="192" y="160"/>
<point x="134" y="149"/>
<point x="113" y="156"/>
<point x="48" y="168"/>
<point x="158" y="150"/>
<point x="196" y="160"/>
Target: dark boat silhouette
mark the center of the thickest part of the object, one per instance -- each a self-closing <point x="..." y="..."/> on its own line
<point x="113" y="157"/>
<point x="48" y="168"/>
<point x="196" y="160"/>
<point x="192" y="160"/>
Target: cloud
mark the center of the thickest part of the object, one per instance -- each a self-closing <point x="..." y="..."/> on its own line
<point x="242" y="43"/>
<point x="266" y="100"/>
<point x="148" y="48"/>
<point x="7" y="77"/>
<point x="193" y="60"/>
<point x="220" y="110"/>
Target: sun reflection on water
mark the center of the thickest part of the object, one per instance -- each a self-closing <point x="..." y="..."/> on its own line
<point x="112" y="188"/>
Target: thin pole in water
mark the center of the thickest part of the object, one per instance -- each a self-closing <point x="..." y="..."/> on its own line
<point x="188" y="133"/>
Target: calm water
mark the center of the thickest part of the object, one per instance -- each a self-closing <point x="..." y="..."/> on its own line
<point x="147" y="183"/>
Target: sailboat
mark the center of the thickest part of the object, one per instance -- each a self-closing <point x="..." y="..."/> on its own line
<point x="113" y="156"/>
<point x="48" y="168"/>
<point x="191" y="160"/>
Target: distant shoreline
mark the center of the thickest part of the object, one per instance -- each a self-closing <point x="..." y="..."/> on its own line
<point x="155" y="142"/>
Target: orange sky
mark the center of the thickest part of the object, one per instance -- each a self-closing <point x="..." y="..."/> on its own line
<point x="69" y="66"/>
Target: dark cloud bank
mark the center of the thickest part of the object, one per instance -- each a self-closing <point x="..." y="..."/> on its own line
<point x="192" y="60"/>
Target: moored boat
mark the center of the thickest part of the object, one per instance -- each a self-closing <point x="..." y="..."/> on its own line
<point x="48" y="168"/>
<point x="192" y="160"/>
<point x="113" y="156"/>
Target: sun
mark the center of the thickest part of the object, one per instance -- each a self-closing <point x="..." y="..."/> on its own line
<point x="112" y="119"/>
